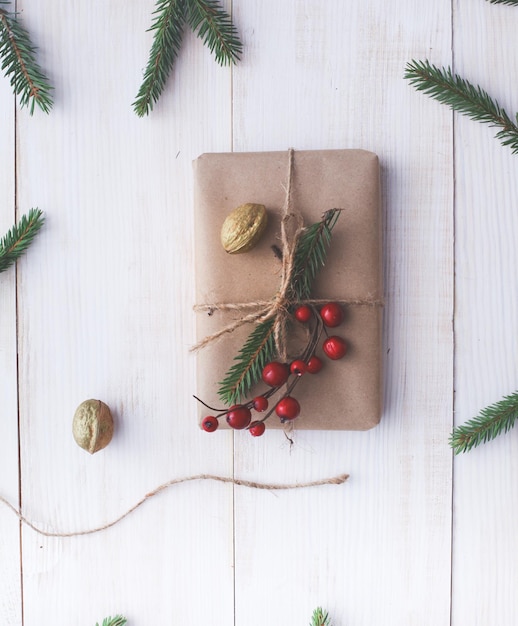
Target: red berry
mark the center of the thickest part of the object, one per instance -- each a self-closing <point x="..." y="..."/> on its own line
<point x="314" y="365"/>
<point x="298" y="367"/>
<point x="209" y="423"/>
<point x="238" y="417"/>
<point x="303" y="313"/>
<point x="257" y="429"/>
<point x="275" y="374"/>
<point x="288" y="408"/>
<point x="332" y="314"/>
<point x="260" y="403"/>
<point x="335" y="347"/>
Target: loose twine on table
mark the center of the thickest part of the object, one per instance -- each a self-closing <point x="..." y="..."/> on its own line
<point x="337" y="480"/>
<point x="292" y="226"/>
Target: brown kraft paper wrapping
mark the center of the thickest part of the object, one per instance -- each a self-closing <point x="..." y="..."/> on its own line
<point x="346" y="394"/>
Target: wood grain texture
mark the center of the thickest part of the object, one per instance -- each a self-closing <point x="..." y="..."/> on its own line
<point x="105" y="312"/>
<point x="485" y="575"/>
<point x="376" y="550"/>
<point x="102" y="307"/>
<point x="10" y="589"/>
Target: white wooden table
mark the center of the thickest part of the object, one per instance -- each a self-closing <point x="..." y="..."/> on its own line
<point x="100" y="307"/>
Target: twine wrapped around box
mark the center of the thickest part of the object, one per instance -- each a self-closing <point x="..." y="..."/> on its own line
<point x="226" y="180"/>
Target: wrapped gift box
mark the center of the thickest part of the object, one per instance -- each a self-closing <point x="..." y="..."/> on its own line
<point x="346" y="394"/>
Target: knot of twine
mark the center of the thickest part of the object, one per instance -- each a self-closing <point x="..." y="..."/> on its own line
<point x="292" y="226"/>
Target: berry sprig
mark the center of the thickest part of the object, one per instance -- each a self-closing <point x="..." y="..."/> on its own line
<point x="282" y="378"/>
<point x="259" y="349"/>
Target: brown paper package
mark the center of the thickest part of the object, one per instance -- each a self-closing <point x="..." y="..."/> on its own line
<point x="345" y="394"/>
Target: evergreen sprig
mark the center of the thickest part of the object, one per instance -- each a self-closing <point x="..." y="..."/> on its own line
<point x="246" y="370"/>
<point x="311" y="253"/>
<point x="492" y="421"/>
<point x="18" y="239"/>
<point x="461" y="96"/>
<point x="259" y="348"/>
<point x="207" y="19"/>
<point x="168" y="26"/>
<point x="20" y="65"/>
<point x="215" y="27"/>
<point x="320" y="618"/>
<point x="118" y="620"/>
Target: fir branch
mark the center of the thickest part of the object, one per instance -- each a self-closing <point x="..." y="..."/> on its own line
<point x="463" y="97"/>
<point x="492" y="421"/>
<point x="18" y="239"/>
<point x="212" y="24"/>
<point x="215" y="27"/>
<point x="311" y="254"/>
<point x="168" y="28"/>
<point x="259" y="348"/>
<point x="320" y="618"/>
<point x="20" y="65"/>
<point x="118" y="620"/>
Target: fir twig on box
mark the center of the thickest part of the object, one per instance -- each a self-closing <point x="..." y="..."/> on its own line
<point x="19" y="63"/>
<point x="18" y="239"/>
<point x="207" y="19"/>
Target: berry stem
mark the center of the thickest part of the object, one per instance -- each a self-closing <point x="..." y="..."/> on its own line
<point x="208" y="406"/>
<point x="315" y="336"/>
<point x="289" y="388"/>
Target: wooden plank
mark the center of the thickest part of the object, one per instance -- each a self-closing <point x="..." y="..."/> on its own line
<point x="485" y="576"/>
<point x="106" y="312"/>
<point x="10" y="589"/>
<point x="376" y="550"/>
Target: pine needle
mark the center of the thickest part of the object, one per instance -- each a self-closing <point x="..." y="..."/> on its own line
<point x="248" y="365"/>
<point x="18" y="239"/>
<point x="320" y="618"/>
<point x="118" y="620"/>
<point x="463" y="97"/>
<point x="215" y="27"/>
<point x="20" y="65"/>
<point x="492" y="421"/>
<point x="168" y="28"/>
<point x="311" y="253"/>
<point x="212" y="24"/>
